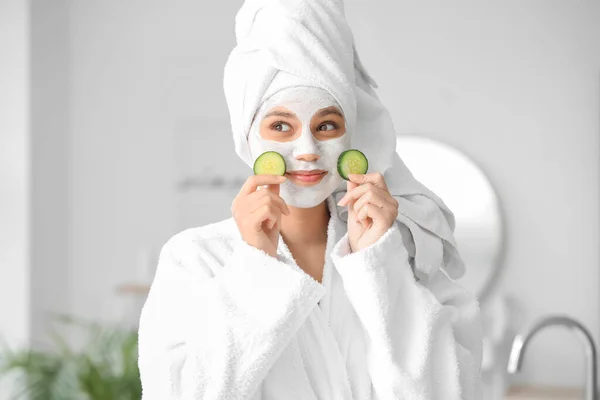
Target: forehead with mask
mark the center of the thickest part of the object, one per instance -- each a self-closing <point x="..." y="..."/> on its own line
<point x="306" y="126"/>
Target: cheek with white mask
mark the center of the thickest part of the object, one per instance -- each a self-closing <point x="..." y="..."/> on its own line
<point x="327" y="150"/>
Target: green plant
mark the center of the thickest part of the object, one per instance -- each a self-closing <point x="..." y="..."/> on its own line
<point x="105" y="368"/>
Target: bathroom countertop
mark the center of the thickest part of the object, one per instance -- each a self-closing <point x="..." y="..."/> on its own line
<point x="544" y="393"/>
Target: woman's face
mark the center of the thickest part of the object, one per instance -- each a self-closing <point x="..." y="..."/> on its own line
<point x="306" y="126"/>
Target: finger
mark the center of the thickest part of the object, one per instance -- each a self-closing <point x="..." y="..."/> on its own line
<point x="374" y="177"/>
<point x="278" y="223"/>
<point x="352" y="216"/>
<point x="264" y="216"/>
<point x="274" y="191"/>
<point x="262" y="197"/>
<point x="350" y="186"/>
<point x="254" y="181"/>
<point x="273" y="223"/>
<point x="354" y="194"/>
<point x="378" y="197"/>
<point x="264" y="213"/>
<point x="379" y="215"/>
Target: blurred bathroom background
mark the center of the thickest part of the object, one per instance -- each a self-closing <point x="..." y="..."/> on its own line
<point x="114" y="135"/>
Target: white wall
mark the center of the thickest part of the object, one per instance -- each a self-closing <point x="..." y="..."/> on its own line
<point x="14" y="175"/>
<point x="34" y="147"/>
<point x="49" y="44"/>
<point x="14" y="171"/>
<point x="514" y="84"/>
<point x="126" y="59"/>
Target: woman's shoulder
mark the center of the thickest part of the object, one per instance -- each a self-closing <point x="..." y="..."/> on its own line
<point x="210" y="243"/>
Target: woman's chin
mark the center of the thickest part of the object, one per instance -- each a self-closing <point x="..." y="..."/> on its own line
<point x="303" y="198"/>
<point x="302" y="201"/>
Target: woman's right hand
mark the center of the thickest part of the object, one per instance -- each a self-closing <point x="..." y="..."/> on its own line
<point x="257" y="213"/>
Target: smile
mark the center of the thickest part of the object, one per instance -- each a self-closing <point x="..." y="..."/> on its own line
<point x="306" y="179"/>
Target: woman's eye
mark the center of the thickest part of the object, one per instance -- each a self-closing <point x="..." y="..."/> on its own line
<point x="323" y="127"/>
<point x="281" y="126"/>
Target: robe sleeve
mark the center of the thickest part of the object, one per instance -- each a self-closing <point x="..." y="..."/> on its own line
<point x="205" y="335"/>
<point x="423" y="341"/>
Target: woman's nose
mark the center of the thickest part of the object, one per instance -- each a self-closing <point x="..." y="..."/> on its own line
<point x="308" y="157"/>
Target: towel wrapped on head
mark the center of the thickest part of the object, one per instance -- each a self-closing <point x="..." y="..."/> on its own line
<point x="286" y="43"/>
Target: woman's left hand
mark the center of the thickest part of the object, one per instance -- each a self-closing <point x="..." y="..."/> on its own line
<point x="372" y="210"/>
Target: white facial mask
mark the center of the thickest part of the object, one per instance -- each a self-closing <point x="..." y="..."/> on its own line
<point x="304" y="101"/>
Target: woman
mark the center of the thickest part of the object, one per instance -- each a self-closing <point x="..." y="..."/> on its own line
<point x="287" y="299"/>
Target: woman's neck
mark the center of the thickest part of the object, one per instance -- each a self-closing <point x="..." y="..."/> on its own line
<point x="306" y="226"/>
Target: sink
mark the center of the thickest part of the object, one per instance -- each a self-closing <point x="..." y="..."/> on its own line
<point x="521" y="341"/>
<point x="544" y="393"/>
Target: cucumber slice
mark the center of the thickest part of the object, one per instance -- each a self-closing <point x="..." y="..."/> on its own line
<point x="352" y="162"/>
<point x="270" y="163"/>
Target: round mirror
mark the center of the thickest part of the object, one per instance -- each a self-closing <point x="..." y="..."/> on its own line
<point x="465" y="189"/>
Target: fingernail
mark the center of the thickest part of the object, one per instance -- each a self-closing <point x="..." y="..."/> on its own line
<point x="282" y="178"/>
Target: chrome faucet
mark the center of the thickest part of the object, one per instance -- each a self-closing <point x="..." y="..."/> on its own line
<point x="521" y="341"/>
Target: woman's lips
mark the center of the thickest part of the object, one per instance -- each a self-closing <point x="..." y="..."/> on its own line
<point x="313" y="178"/>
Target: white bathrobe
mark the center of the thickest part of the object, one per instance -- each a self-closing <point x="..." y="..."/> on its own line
<point x="225" y="320"/>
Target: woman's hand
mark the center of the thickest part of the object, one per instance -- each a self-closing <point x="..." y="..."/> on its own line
<point x="257" y="213"/>
<point x="372" y="210"/>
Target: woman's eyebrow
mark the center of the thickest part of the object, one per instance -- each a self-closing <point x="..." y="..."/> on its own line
<point x="280" y="114"/>
<point x="329" y="110"/>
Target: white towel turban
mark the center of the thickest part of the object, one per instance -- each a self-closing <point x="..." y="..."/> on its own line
<point x="309" y="42"/>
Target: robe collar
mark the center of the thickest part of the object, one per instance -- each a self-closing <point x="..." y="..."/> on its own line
<point x="336" y="229"/>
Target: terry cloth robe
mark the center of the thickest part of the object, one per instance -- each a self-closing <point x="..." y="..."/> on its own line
<point x="225" y="320"/>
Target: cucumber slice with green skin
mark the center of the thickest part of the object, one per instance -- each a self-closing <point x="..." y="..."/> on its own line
<point x="352" y="162"/>
<point x="270" y="163"/>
